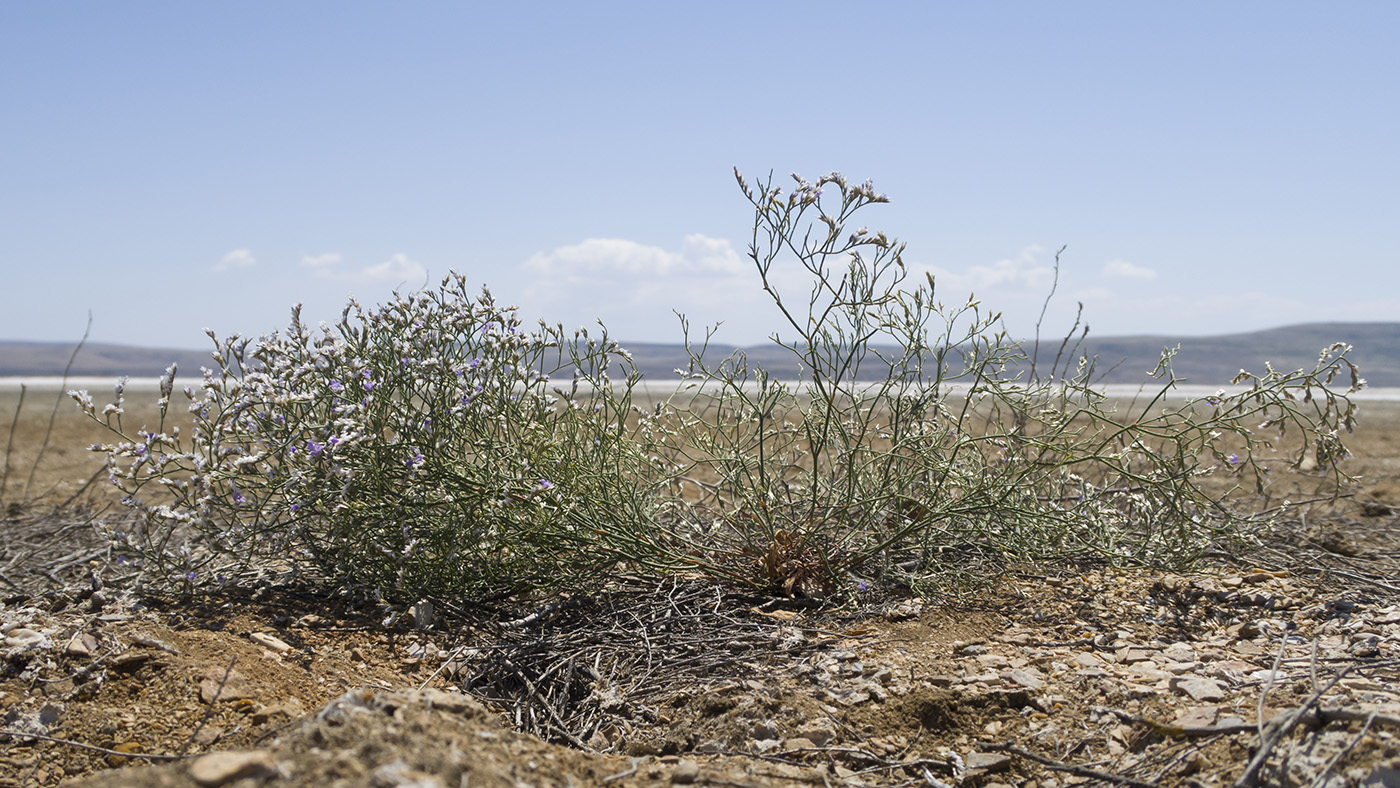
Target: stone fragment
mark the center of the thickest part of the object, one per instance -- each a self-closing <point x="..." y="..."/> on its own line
<point x="979" y="763"/>
<point x="686" y="772"/>
<point x="454" y="702"/>
<point x="1200" y="689"/>
<point x="150" y="642"/>
<point x="279" y="712"/>
<point x="992" y="660"/>
<point x="1025" y="678"/>
<point x="129" y="660"/>
<point x="1197" y="716"/>
<point x="24" y="636"/>
<point x="220" y="685"/>
<point x="1129" y="655"/>
<point x="271" y="642"/>
<point x="81" y="644"/>
<point x="219" y="768"/>
<point x="1086" y="659"/>
<point x="1148" y="671"/>
<point x="397" y="774"/>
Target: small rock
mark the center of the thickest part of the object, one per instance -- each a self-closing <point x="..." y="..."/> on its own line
<point x="218" y="768"/>
<point x="452" y="702"/>
<point x="220" y="685"/>
<point x="129" y="660"/>
<point x="271" y="642"/>
<point x="397" y="774"/>
<point x="422" y="615"/>
<point x="978" y="763"/>
<point x="1198" y="717"/>
<point x="686" y="772"/>
<point x="1200" y="689"/>
<point x="1025" y="678"/>
<point x="765" y="730"/>
<point x="81" y="645"/>
<point x="125" y="747"/>
<point x="280" y="712"/>
<point x="24" y="636"/>
<point x="992" y="660"/>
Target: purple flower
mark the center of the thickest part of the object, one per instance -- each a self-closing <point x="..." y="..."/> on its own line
<point x="545" y="484"/>
<point x="415" y="460"/>
<point x="1233" y="459"/>
<point x="191" y="576"/>
<point x="336" y="385"/>
<point x="313" y="448"/>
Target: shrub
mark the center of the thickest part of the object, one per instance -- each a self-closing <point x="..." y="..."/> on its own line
<point x="957" y="445"/>
<point x="423" y="447"/>
<point x="430" y="446"/>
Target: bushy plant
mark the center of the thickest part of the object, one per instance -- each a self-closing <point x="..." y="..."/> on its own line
<point x="953" y="446"/>
<point x="433" y="446"/>
<point x="425" y="446"/>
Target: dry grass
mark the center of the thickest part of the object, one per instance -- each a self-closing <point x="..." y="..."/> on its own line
<point x="48" y="458"/>
<point x="50" y="422"/>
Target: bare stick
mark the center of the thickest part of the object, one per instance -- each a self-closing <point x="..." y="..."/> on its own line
<point x="1081" y="771"/>
<point x="54" y="413"/>
<point x="10" y="445"/>
<point x="93" y="747"/>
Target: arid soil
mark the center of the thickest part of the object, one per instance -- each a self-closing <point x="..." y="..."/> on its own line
<point x="1274" y="664"/>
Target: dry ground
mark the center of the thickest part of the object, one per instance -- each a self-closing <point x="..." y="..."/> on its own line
<point x="1280" y="665"/>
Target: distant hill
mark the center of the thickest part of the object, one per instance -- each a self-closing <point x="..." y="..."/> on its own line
<point x="45" y="359"/>
<point x="1211" y="360"/>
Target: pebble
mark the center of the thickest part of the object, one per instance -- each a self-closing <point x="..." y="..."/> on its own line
<point x="686" y="772"/>
<point x="270" y="641"/>
<point x="218" y="686"/>
<point x="1200" y="689"/>
<point x="979" y="763"/>
<point x="218" y="768"/>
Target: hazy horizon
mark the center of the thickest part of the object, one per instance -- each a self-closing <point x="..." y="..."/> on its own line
<point x="1212" y="169"/>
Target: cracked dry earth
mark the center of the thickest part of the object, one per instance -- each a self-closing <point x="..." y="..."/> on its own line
<point x="1282" y="669"/>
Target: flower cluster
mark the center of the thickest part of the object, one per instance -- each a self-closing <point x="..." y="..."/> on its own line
<point x="416" y="446"/>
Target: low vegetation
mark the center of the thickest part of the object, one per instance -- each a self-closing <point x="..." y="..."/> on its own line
<point x="435" y="445"/>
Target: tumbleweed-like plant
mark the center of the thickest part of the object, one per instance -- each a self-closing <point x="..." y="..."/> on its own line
<point x="914" y="432"/>
<point x="421" y="447"/>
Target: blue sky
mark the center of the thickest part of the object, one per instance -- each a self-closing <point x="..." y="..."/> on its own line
<point x="1212" y="167"/>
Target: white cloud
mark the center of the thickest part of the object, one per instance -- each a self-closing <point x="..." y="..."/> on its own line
<point x="321" y="260"/>
<point x="397" y="271"/>
<point x="1022" y="273"/>
<point x="634" y="287"/>
<point x="238" y="258"/>
<point x="604" y="257"/>
<point x="1125" y="269"/>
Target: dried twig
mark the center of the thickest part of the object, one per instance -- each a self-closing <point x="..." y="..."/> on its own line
<point x="1081" y="771"/>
